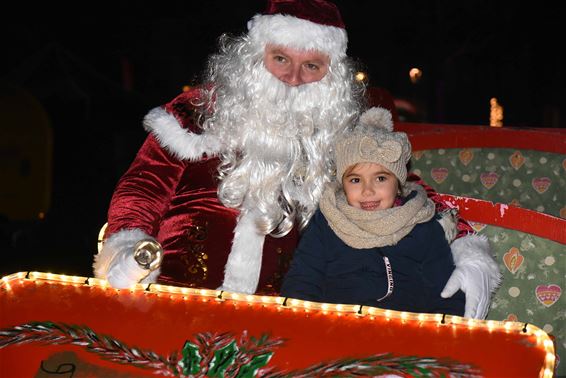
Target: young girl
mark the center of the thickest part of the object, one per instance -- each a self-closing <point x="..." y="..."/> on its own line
<point x="374" y="240"/>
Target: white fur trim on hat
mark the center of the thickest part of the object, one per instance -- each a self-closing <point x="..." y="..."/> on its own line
<point x="178" y="141"/>
<point x="289" y="31"/>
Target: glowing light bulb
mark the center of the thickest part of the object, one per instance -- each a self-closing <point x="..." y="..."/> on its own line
<point x="495" y="113"/>
<point x="415" y="75"/>
<point x="361" y="76"/>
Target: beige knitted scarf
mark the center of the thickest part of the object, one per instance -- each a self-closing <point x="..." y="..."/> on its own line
<point x="368" y="229"/>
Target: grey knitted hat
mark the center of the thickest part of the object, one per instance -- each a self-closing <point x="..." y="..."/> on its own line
<point x="374" y="141"/>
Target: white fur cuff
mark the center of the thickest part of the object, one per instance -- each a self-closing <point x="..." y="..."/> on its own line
<point x="475" y="250"/>
<point x="241" y="274"/>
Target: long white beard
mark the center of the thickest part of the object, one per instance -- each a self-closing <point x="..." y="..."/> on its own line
<point x="279" y="138"/>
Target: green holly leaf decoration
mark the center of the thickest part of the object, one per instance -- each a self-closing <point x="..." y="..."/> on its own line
<point x="250" y="369"/>
<point x="190" y="363"/>
<point x="223" y="358"/>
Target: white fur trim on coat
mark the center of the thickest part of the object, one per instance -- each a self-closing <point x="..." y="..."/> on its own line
<point x="116" y="264"/>
<point x="289" y="31"/>
<point x="180" y="142"/>
<point x="474" y="249"/>
<point x="241" y="273"/>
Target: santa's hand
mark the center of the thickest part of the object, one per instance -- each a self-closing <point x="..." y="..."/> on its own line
<point x="476" y="274"/>
<point x="124" y="271"/>
<point x="474" y="284"/>
<point x="449" y="222"/>
<point x="116" y="263"/>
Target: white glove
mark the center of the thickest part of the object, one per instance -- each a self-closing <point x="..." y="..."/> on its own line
<point x="476" y="274"/>
<point x="124" y="271"/>
<point x="449" y="222"/>
<point x="116" y="264"/>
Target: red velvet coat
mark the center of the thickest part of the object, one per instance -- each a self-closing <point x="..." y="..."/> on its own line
<point x="175" y="200"/>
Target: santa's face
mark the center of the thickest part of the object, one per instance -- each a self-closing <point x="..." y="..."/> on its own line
<point x="295" y="67"/>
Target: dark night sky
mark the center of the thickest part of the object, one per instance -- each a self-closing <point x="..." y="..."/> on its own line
<point x="73" y="61"/>
<point x="469" y="51"/>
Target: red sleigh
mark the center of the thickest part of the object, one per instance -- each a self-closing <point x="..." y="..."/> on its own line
<point x="53" y="325"/>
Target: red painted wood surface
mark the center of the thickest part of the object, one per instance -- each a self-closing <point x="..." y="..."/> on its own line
<point x="508" y="216"/>
<point x="432" y="136"/>
<point x="162" y="321"/>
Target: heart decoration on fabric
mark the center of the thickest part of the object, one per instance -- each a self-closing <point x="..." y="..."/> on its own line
<point x="466" y="156"/>
<point x="489" y="179"/>
<point x="541" y="184"/>
<point x="512" y="318"/>
<point x="548" y="294"/>
<point x="517" y="160"/>
<point x="418" y="155"/>
<point x="513" y="259"/>
<point x="478" y="227"/>
<point x="439" y="174"/>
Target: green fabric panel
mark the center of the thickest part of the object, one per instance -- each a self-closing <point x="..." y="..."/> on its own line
<point x="529" y="179"/>
<point x="534" y="279"/>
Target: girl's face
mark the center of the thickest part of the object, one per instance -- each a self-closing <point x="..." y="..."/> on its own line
<point x="370" y="186"/>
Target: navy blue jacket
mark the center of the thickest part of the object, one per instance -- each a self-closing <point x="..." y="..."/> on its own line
<point x="325" y="269"/>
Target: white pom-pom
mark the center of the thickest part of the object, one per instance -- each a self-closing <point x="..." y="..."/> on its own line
<point x="377" y="117"/>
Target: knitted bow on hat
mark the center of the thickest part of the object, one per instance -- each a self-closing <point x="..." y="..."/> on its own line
<point x="388" y="150"/>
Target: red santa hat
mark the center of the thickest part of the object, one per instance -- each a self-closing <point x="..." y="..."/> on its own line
<point x="303" y="25"/>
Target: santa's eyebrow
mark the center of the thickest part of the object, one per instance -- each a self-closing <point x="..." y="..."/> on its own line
<point x="277" y="51"/>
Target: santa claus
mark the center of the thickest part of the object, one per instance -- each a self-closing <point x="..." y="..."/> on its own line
<point x="231" y="171"/>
